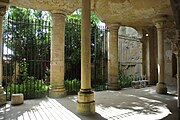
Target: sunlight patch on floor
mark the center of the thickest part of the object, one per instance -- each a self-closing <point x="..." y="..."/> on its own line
<point x="150" y="110"/>
<point x="112" y="113"/>
<point x="48" y="110"/>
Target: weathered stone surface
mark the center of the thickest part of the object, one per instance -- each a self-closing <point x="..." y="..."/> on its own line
<point x="130" y="50"/>
<point x="2" y="96"/>
<point x="2" y="93"/>
<point x="17" y="99"/>
<point x="85" y="102"/>
<point x="2" y="99"/>
<point x="160" y="25"/>
<point x="131" y="12"/>
<point x="113" y="57"/>
<point x="52" y="5"/>
<point x="57" y="91"/>
<point x="57" y="56"/>
<point x="161" y="88"/>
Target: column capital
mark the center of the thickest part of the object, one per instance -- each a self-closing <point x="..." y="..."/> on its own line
<point x="159" y="21"/>
<point x="62" y="12"/>
<point x="113" y="26"/>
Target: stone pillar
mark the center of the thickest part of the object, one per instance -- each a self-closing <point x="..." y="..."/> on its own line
<point x="177" y="52"/>
<point x="178" y="76"/>
<point x="153" y="56"/>
<point x="113" y="82"/>
<point x="159" y="23"/>
<point x="2" y="93"/>
<point x="145" y="55"/>
<point x="57" y="56"/>
<point x="85" y="101"/>
<point x="150" y="55"/>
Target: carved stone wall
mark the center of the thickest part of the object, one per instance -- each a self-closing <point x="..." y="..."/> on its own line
<point x="130" y="50"/>
<point x="67" y="6"/>
<point x="170" y="36"/>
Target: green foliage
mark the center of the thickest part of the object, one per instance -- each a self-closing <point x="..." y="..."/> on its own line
<point x="28" y="85"/>
<point x="73" y="42"/>
<point x="31" y="86"/>
<point x="27" y="35"/>
<point x="125" y="80"/>
<point x="73" y="86"/>
<point x="47" y="75"/>
<point x="25" y="38"/>
<point x="77" y="15"/>
<point x="23" y="70"/>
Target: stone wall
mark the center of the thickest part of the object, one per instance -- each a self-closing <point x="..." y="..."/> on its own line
<point x="170" y="35"/>
<point x="130" y="50"/>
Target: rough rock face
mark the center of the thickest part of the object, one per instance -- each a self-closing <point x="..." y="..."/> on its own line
<point x="67" y="6"/>
<point x="130" y="50"/>
<point x="170" y="64"/>
<point x="131" y="12"/>
<point x="126" y="12"/>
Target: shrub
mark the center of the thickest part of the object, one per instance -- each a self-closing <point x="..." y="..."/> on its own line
<point x="125" y="80"/>
<point x="72" y="86"/>
<point x="30" y="87"/>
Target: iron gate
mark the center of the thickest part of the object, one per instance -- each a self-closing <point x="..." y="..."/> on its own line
<point x="73" y="58"/>
<point x="26" y="56"/>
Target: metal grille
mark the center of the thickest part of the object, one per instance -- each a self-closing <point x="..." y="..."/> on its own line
<point x="99" y="58"/>
<point x="73" y="58"/>
<point x="26" y="55"/>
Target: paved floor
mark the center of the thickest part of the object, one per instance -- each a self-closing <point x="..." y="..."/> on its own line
<point x="126" y="104"/>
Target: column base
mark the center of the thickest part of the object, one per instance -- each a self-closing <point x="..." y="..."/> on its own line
<point x="85" y="102"/>
<point x="57" y="92"/>
<point x="114" y="86"/>
<point x="161" y="88"/>
<point x="2" y="96"/>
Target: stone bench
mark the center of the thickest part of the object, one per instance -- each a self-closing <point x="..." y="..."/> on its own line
<point x="17" y="99"/>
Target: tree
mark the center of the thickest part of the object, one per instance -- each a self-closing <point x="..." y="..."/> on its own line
<point x="26" y="34"/>
<point x="73" y="43"/>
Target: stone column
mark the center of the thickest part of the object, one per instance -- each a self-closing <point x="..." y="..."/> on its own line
<point x="57" y="56"/>
<point x="177" y="52"/>
<point x="85" y="102"/>
<point x="145" y="55"/>
<point x="2" y="93"/>
<point x="153" y="56"/>
<point x="159" y="23"/>
<point x="178" y="76"/>
<point x="113" y="82"/>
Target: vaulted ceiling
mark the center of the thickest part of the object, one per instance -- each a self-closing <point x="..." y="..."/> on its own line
<point x="125" y="12"/>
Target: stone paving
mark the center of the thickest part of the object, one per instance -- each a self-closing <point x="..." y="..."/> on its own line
<point x="125" y="104"/>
